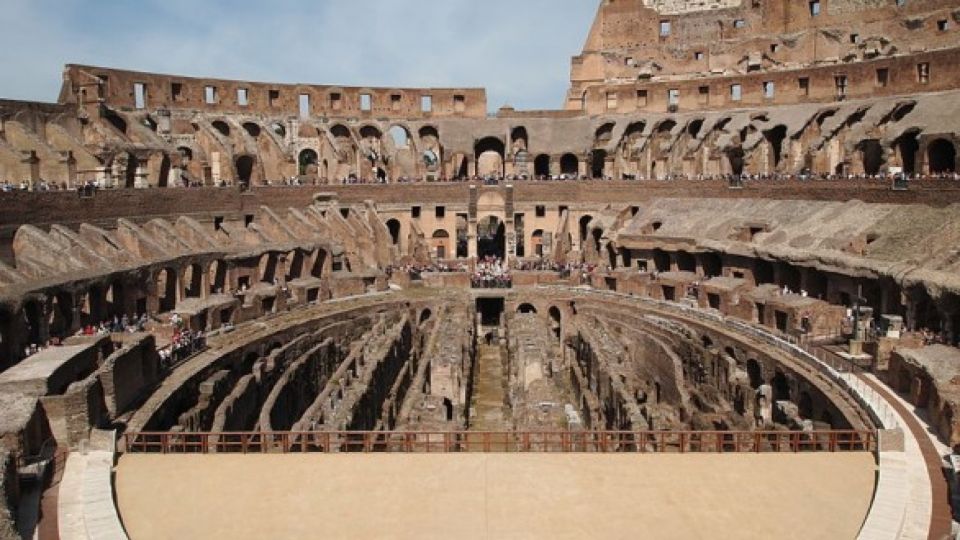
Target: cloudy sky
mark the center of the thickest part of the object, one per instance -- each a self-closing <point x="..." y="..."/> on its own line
<point x="518" y="49"/>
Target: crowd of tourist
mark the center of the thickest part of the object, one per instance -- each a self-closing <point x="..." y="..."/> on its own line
<point x="183" y="344"/>
<point x="116" y="325"/>
<point x="491" y="273"/>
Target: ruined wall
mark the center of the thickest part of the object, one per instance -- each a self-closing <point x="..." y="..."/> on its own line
<point x="128" y="373"/>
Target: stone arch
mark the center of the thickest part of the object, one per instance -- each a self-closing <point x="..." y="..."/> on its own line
<point x="781" y="386"/>
<point x="319" y="262"/>
<point x="490" y="156"/>
<point x="754" y="373"/>
<point x="222" y="127"/>
<point x="295" y="264"/>
<point x="541" y="165"/>
<point x="585" y="226"/>
<point x="735" y="158"/>
<point x="941" y="156"/>
<point x="519" y="140"/>
<point x="164" y="177"/>
<point x="526" y="308"/>
<point x="871" y="153"/>
<point x="308" y="161"/>
<point x="569" y="165"/>
<point x="907" y="147"/>
<point x="425" y="315"/>
<point x="252" y="129"/>
<point x="400" y="136"/>
<point x="491" y="237"/>
<point x="245" y="164"/>
<point x="686" y="262"/>
<point x="556" y="321"/>
<point x="440" y="241"/>
<point x="604" y="133"/>
<point x="393" y="225"/>
<point x="598" y="163"/>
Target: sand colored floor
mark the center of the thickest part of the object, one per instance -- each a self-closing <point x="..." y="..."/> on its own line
<point x="497" y="497"/>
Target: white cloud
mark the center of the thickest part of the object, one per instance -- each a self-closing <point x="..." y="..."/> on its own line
<point x="518" y="49"/>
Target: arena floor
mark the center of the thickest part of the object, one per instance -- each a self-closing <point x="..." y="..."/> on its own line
<point x="492" y="496"/>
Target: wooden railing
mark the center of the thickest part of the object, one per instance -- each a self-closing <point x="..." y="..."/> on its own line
<point x="502" y="442"/>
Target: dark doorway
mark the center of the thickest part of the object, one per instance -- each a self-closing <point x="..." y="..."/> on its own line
<point x="491" y="238"/>
<point x="490" y="310"/>
<point x="942" y="156"/>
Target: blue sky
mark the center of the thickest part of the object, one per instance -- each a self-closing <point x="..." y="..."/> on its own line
<point x="518" y="49"/>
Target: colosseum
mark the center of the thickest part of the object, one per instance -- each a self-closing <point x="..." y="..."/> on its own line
<point x="716" y="294"/>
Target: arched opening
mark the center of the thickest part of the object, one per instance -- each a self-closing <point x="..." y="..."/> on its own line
<point x="775" y="138"/>
<point x="706" y="341"/>
<point x="941" y="157"/>
<point x="526" y="308"/>
<point x="555" y="321"/>
<point x="167" y="290"/>
<point x="278" y="129"/>
<point x="569" y="165"/>
<point x="308" y="160"/>
<point x="489" y="152"/>
<point x="130" y="164"/>
<point x="598" y="163"/>
<point x="519" y="140"/>
<point x="604" y="133"/>
<point x="245" y="169"/>
<point x="491" y="238"/>
<point x="268" y="267"/>
<point x="536" y="242"/>
<point x="252" y="129"/>
<point x="872" y="154"/>
<point x="217" y="277"/>
<point x="399" y="136"/>
<point x="735" y="159"/>
<point x="221" y="127"/>
<point x="584" y="226"/>
<point x="193" y="278"/>
<point x="115" y="120"/>
<point x="441" y="244"/>
<point x="686" y="262"/>
<point x="425" y="315"/>
<point x="597" y="235"/>
<point x="907" y="148"/>
<point x="115" y="302"/>
<point x="541" y="165"/>
<point x="448" y="409"/>
<point x="754" y="373"/>
<point x="393" y="226"/>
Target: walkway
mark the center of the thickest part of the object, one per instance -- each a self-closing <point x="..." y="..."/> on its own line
<point x="488" y="404"/>
<point x="496" y="496"/>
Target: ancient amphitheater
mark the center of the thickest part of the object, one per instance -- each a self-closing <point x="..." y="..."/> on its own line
<point x="715" y="296"/>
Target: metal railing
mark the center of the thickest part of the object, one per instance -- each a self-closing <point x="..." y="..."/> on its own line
<point x="417" y="442"/>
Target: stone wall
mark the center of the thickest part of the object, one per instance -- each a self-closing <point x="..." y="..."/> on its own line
<point x="8" y="496"/>
<point x="129" y="372"/>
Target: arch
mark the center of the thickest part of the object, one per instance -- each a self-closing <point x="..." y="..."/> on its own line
<point x="604" y="133"/>
<point x="735" y="160"/>
<point x="541" y="165"/>
<point x="164" y="171"/>
<point x="278" y="129"/>
<point x="597" y="236"/>
<point x="556" y="320"/>
<point x="425" y="315"/>
<point x="245" y="169"/>
<point x="526" y="308"/>
<point x="907" y="147"/>
<point x="775" y="138"/>
<point x="221" y="127"/>
<point x="400" y="136"/>
<point x="252" y="129"/>
<point x="519" y="139"/>
<point x="536" y="242"/>
<point x="598" y="163"/>
<point x="61" y="314"/>
<point x="491" y="237"/>
<point x="393" y="225"/>
<point x="490" y="154"/>
<point x="706" y="341"/>
<point x="217" y="277"/>
<point x="340" y="131"/>
<point x="872" y="155"/>
<point x="166" y="282"/>
<point x="186" y="155"/>
<point x="941" y="157"/>
<point x="569" y="165"/>
<point x="441" y="233"/>
<point x="428" y="131"/>
<point x="115" y="120"/>
<point x="193" y="281"/>
<point x="32" y="319"/>
<point x="584" y="226"/>
<point x="712" y="264"/>
<point x="370" y="132"/>
<point x="308" y="160"/>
